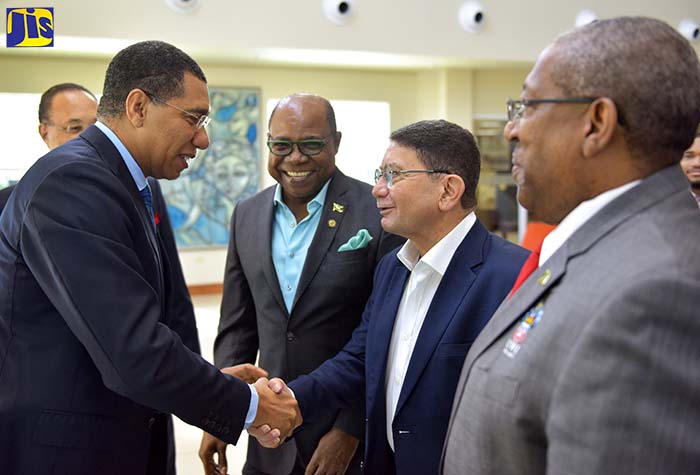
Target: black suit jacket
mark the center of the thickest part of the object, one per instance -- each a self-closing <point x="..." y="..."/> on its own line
<point x="178" y="307"/>
<point x="86" y="357"/>
<point x="5" y="195"/>
<point x="179" y="303"/>
<point x="332" y="291"/>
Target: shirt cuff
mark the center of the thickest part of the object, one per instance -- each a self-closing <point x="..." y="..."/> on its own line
<point x="253" y="408"/>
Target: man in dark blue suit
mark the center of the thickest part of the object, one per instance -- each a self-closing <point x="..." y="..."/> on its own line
<point x="65" y="111"/>
<point x="430" y="299"/>
<point x="88" y="362"/>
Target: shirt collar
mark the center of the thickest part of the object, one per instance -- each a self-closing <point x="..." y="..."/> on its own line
<point x="440" y="255"/>
<point x="577" y="218"/>
<point x="315" y="203"/>
<point x="134" y="168"/>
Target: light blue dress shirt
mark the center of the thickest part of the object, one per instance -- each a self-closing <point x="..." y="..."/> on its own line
<point x="291" y="241"/>
<point x="141" y="183"/>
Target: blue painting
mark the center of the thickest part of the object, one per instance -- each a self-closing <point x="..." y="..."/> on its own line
<point x="201" y="201"/>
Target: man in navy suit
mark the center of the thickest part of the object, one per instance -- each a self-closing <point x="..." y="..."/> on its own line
<point x="429" y="301"/>
<point x="65" y="111"/>
<point x="88" y="363"/>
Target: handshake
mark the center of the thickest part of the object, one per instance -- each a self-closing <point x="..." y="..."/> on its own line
<point x="277" y="416"/>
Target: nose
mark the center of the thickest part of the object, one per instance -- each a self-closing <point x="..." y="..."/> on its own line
<point x="509" y="130"/>
<point x="380" y="189"/>
<point x="296" y="156"/>
<point x="201" y="139"/>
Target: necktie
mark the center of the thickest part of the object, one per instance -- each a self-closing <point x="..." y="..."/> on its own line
<point x="147" y="200"/>
<point x="528" y="268"/>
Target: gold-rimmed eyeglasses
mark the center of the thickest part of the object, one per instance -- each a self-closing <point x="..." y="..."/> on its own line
<point x="199" y="121"/>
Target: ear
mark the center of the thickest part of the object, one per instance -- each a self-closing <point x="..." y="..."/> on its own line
<point x="338" y="136"/>
<point x="601" y="126"/>
<point x="44" y="133"/>
<point x="452" y="191"/>
<point x="136" y="106"/>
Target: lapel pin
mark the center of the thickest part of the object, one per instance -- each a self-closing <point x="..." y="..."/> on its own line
<point x="338" y="208"/>
<point x="544" y="278"/>
<point x="331" y="223"/>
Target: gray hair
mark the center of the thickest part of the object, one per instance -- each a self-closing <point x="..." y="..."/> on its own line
<point x="650" y="72"/>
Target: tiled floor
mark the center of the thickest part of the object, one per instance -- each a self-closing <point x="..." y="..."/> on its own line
<point x="187" y="437"/>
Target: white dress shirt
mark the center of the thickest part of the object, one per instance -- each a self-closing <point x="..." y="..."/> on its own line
<point x="426" y="274"/>
<point x="577" y="217"/>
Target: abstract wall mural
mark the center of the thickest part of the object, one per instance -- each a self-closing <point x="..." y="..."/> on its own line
<point x="201" y="201"/>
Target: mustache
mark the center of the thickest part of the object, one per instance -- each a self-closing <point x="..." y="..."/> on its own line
<point x="511" y="147"/>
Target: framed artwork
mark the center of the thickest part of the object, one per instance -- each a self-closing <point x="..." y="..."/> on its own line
<point x="201" y="200"/>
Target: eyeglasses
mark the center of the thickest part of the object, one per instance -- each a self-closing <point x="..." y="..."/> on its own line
<point x="199" y="121"/>
<point x="388" y="173"/>
<point x="516" y="108"/>
<point x="308" y="147"/>
<point x="73" y="128"/>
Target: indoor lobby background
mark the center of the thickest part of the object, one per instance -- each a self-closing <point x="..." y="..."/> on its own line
<point x="413" y="58"/>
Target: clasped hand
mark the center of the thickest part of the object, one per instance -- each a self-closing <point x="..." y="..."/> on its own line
<point x="277" y="416"/>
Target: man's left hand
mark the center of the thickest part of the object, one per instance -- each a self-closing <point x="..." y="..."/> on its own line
<point x="209" y="446"/>
<point x="333" y="454"/>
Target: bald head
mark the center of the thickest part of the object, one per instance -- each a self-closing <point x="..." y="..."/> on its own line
<point x="650" y="72"/>
<point x="65" y="110"/>
<point x="299" y="98"/>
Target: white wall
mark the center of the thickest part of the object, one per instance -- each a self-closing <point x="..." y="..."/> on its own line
<point x="514" y="30"/>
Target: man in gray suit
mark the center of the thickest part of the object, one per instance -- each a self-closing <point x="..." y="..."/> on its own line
<point x="298" y="274"/>
<point x="591" y="367"/>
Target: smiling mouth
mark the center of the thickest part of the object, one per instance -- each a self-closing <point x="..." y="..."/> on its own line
<point x="297" y="174"/>
<point x="187" y="159"/>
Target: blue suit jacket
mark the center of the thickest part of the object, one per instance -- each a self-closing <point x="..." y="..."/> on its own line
<point x="477" y="279"/>
<point x="86" y="357"/>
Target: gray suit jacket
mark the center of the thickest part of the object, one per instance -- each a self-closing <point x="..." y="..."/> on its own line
<point x="608" y="381"/>
<point x="331" y="295"/>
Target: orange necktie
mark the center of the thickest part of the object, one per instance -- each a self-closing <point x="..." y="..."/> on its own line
<point x="528" y="268"/>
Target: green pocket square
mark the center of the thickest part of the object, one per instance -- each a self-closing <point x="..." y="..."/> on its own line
<point x="358" y="241"/>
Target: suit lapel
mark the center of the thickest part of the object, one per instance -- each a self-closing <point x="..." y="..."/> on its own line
<point x="527" y="296"/>
<point x="381" y="329"/>
<point x="325" y="233"/>
<point x="649" y="192"/>
<point x="264" y="243"/>
<point x="109" y="153"/>
<point x="450" y="294"/>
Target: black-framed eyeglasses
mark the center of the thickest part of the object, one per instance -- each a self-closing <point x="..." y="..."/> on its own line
<point x="388" y="173"/>
<point x="199" y="121"/>
<point x="516" y="108"/>
<point x="308" y="147"/>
